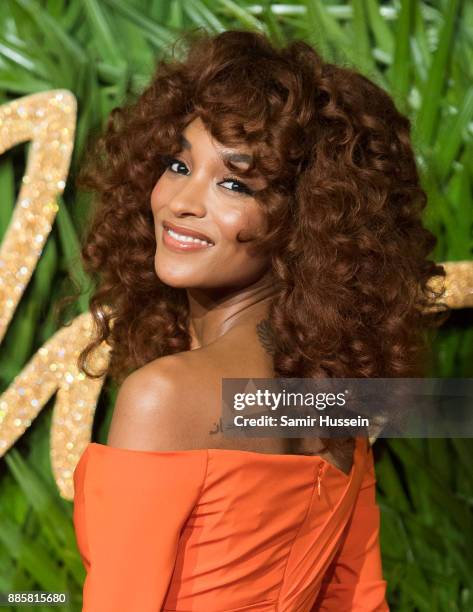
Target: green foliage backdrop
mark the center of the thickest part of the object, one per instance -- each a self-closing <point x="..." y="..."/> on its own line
<point x="104" y="51"/>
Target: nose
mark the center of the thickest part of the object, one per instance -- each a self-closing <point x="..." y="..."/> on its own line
<point x="189" y="199"/>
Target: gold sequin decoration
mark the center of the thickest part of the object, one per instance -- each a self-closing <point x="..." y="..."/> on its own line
<point x="458" y="284"/>
<point x="52" y="369"/>
<point x="47" y="119"/>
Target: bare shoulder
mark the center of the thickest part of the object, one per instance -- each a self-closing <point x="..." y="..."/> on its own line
<point x="157" y="406"/>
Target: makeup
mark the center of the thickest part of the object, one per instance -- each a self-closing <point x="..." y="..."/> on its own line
<point x="183" y="240"/>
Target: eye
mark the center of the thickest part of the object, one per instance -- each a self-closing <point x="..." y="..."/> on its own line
<point x="241" y="187"/>
<point x="176" y="166"/>
<point x="236" y="185"/>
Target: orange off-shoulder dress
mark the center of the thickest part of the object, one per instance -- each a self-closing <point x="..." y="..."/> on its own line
<point x="220" y="530"/>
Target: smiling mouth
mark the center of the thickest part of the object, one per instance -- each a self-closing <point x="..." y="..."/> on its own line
<point x="183" y="242"/>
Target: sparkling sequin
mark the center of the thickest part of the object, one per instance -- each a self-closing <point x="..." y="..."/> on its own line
<point x="458" y="284"/>
<point x="48" y="119"/>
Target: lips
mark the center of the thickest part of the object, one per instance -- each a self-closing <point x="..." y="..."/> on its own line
<point x="185" y="231"/>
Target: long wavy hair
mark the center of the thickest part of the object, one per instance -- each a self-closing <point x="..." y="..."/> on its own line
<point x="343" y="202"/>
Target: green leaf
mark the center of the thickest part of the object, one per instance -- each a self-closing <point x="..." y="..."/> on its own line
<point x="438" y="74"/>
<point x="448" y="146"/>
<point x="381" y="30"/>
<point x="202" y="16"/>
<point x="158" y="35"/>
<point x="361" y="39"/>
<point x="7" y="189"/>
<point x="245" y="18"/>
<point x="103" y="37"/>
<point x="71" y="249"/>
<point x="399" y="75"/>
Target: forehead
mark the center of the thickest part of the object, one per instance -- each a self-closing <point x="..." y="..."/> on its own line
<point x="196" y="135"/>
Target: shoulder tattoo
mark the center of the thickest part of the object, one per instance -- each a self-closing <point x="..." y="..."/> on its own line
<point x="266" y="336"/>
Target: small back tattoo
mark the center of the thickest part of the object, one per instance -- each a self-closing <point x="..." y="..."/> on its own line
<point x="266" y="336"/>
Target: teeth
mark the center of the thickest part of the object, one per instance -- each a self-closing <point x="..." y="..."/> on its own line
<point x="183" y="238"/>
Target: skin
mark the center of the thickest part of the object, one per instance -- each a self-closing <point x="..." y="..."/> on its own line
<point x="228" y="285"/>
<point x="229" y="289"/>
<point x="193" y="192"/>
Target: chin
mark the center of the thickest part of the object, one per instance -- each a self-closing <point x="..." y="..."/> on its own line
<point x="195" y="277"/>
<point x="171" y="276"/>
<point x="173" y="280"/>
<point x="183" y="281"/>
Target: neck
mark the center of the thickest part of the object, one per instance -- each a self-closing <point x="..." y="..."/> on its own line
<point x="214" y="313"/>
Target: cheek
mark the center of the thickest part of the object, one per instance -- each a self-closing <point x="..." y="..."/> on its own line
<point x="158" y="196"/>
<point x="241" y="224"/>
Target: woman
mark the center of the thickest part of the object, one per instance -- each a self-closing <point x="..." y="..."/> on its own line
<point x="259" y="217"/>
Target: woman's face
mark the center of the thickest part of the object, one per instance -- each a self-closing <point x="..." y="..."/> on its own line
<point x="197" y="193"/>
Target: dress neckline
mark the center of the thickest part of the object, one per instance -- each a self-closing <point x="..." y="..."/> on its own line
<point x="360" y="445"/>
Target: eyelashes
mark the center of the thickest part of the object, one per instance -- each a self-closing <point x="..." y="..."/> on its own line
<point x="179" y="167"/>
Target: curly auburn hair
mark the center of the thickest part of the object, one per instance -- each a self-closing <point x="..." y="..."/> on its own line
<point x="343" y="203"/>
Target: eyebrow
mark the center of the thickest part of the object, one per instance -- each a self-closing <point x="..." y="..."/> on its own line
<point x="228" y="157"/>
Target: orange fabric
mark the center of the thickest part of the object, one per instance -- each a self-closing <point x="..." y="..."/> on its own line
<point x="218" y="530"/>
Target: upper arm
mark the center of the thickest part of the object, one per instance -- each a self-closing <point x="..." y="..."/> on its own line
<point x="130" y="509"/>
<point x="148" y="407"/>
